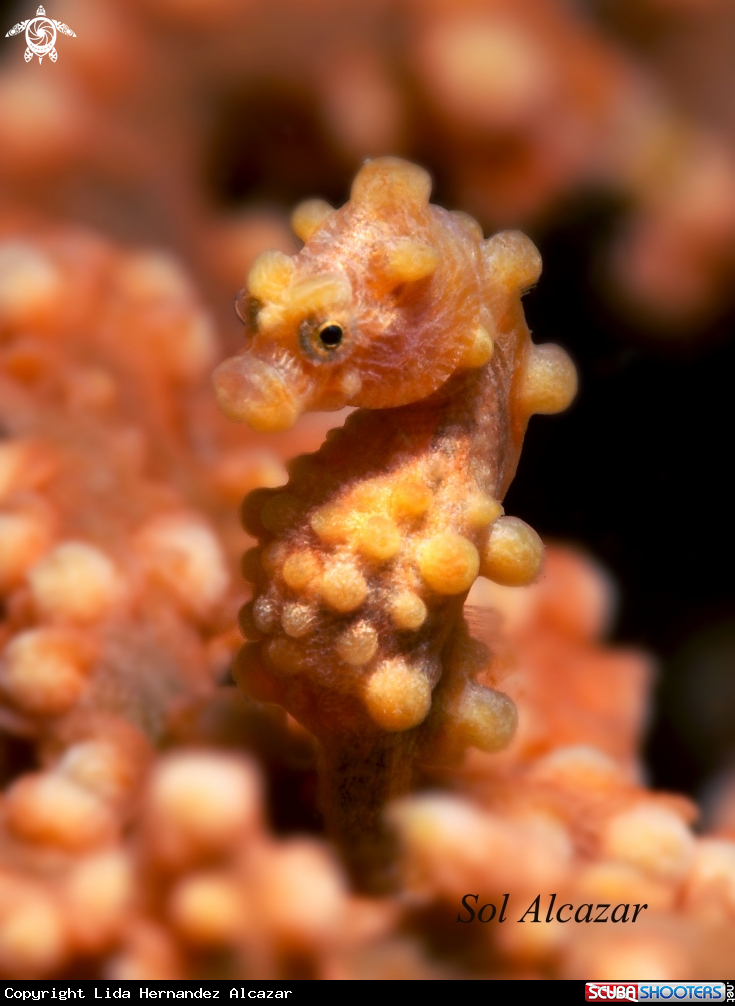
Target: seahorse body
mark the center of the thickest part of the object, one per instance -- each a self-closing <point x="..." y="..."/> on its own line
<point x="367" y="554"/>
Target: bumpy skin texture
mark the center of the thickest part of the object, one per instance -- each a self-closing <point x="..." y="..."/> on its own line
<point x="366" y="556"/>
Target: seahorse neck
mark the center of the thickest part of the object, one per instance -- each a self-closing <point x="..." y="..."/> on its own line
<point x="465" y="421"/>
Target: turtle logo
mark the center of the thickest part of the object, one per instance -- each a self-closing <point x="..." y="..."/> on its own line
<point x="40" y="35"/>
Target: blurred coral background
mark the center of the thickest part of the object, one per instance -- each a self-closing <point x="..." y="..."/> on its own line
<point x="155" y="823"/>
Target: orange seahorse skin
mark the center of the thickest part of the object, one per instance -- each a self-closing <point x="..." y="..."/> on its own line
<point x="366" y="556"/>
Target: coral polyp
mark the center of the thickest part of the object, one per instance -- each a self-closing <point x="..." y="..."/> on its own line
<point x="366" y="556"/>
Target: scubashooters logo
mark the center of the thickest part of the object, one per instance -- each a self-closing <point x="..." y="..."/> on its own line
<point x="655" y="991"/>
<point x="40" y="35"/>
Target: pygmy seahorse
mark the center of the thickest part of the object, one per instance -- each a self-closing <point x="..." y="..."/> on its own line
<point x="365" y="557"/>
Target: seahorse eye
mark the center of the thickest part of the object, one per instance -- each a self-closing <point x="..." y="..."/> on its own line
<point x="331" y="336"/>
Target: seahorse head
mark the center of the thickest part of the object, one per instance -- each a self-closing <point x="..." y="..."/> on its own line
<point x="378" y="309"/>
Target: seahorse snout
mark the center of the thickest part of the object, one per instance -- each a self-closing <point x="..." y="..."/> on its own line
<point x="250" y="390"/>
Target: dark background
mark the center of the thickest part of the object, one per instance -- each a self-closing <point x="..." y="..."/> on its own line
<point x="639" y="471"/>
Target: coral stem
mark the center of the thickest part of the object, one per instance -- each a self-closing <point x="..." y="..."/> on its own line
<point x="357" y="779"/>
